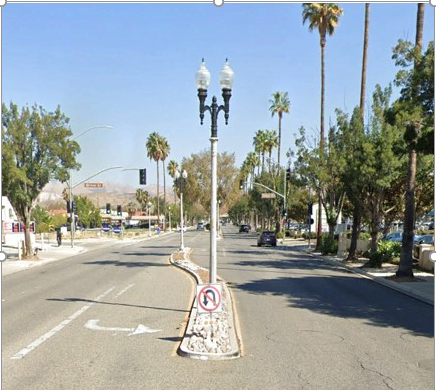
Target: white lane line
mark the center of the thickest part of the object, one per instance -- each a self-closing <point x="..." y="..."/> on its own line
<point x="57" y="328"/>
<point x="123" y="291"/>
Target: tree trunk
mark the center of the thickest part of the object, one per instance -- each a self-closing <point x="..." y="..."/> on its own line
<point x="27" y="240"/>
<point x="280" y="138"/>
<point x="319" y="226"/>
<point x="321" y="137"/>
<point x="364" y="61"/>
<point x="165" y="192"/>
<point x="405" y="268"/>
<point x="357" y="218"/>
<point x="157" y="168"/>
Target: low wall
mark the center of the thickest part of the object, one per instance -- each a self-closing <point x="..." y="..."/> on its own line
<point x="345" y="243"/>
<point x="424" y="257"/>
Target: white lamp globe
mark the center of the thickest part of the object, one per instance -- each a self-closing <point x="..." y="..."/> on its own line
<point x="227" y="76"/>
<point x="202" y="77"/>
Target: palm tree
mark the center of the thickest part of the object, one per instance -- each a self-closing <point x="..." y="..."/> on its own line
<point x="324" y="17"/>
<point x="165" y="149"/>
<point x="172" y="168"/>
<point x="271" y="143"/>
<point x="260" y="145"/>
<point x="142" y="197"/>
<point x="405" y="268"/>
<point x="357" y="211"/>
<point x="279" y="104"/>
<point x="252" y="160"/>
<point x="154" y="152"/>
<point x="364" y="61"/>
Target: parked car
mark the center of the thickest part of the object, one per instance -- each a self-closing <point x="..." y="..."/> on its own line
<point x="244" y="229"/>
<point x="394" y="236"/>
<point x="200" y="226"/>
<point x="267" y="238"/>
<point x="428" y="239"/>
<point x="398" y="237"/>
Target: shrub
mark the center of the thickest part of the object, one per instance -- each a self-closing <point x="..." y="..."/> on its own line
<point x="328" y="244"/>
<point x="386" y="252"/>
<point x="305" y="235"/>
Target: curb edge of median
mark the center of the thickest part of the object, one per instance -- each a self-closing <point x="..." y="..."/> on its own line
<point x="183" y="349"/>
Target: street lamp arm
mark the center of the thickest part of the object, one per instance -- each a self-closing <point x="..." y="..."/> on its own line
<point x="92" y="128"/>
<point x="95" y="174"/>
<point x="269" y="189"/>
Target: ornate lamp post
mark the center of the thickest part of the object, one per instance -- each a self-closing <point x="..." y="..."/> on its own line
<point x="149" y="219"/>
<point x="202" y="80"/>
<point x="181" y="181"/>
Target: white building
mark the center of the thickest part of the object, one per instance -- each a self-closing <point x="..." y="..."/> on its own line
<point x="12" y="229"/>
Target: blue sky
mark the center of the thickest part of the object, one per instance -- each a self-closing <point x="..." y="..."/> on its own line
<point x="132" y="66"/>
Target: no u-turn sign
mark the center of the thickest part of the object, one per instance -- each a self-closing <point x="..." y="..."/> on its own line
<point x="209" y="298"/>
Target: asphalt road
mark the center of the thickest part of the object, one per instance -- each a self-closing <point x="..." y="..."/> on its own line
<point x="113" y="319"/>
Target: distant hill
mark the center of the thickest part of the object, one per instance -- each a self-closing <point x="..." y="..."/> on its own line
<point x="113" y="193"/>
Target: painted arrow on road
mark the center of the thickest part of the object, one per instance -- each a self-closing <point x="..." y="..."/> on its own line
<point x="92" y="324"/>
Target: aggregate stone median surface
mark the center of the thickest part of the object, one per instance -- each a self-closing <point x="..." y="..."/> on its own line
<point x="209" y="336"/>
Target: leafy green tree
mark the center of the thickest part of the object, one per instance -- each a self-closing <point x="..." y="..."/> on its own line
<point x="42" y="219"/>
<point x="414" y="112"/>
<point x="198" y="186"/>
<point x="35" y="149"/>
<point x="88" y="214"/>
<point x="323" y="173"/>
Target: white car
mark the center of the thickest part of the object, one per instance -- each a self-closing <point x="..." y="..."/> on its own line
<point x="184" y="228"/>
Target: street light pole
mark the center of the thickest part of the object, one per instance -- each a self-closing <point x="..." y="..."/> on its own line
<point x="181" y="180"/>
<point x="149" y="219"/>
<point x="169" y="216"/>
<point x="71" y="197"/>
<point x="202" y="79"/>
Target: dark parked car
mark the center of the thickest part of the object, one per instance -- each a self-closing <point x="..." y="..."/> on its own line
<point x="267" y="238"/>
<point x="244" y="229"/>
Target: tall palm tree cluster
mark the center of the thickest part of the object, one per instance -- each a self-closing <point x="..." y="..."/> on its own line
<point x="158" y="149"/>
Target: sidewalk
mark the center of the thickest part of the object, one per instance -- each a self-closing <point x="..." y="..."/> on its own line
<point x="53" y="252"/>
<point x="422" y="288"/>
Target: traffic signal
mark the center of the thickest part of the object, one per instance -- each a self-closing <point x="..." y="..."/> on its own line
<point x="143" y="176"/>
<point x="108" y="208"/>
<point x="68" y="207"/>
<point x="74" y="207"/>
<point x="284" y="213"/>
<point x="241" y="184"/>
<point x="310" y="209"/>
<point x="119" y="211"/>
<point x="288" y="174"/>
